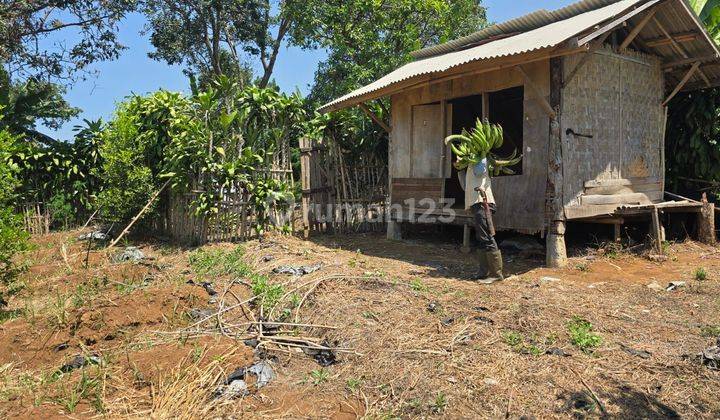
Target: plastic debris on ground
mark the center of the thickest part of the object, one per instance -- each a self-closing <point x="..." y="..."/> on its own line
<point x="324" y="357"/>
<point x="710" y="357"/>
<point x="236" y="384"/>
<point x="95" y="236"/>
<point x="675" y="285"/>
<point x="209" y="288"/>
<point x="297" y="271"/>
<point x="80" y="361"/>
<point x="555" y="351"/>
<point x="130" y="254"/>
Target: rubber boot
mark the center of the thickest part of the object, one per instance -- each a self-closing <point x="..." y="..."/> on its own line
<point x="495" y="268"/>
<point x="483" y="269"/>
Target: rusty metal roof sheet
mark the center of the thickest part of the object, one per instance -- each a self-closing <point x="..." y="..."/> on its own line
<point x="546" y="36"/>
<point x="524" y="23"/>
<point x="544" y="30"/>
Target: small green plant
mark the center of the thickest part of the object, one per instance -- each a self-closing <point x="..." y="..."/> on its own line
<point x="440" y="403"/>
<point x="197" y="353"/>
<point x="269" y="294"/>
<point x="665" y="247"/>
<point x="516" y="340"/>
<point x="582" y="335"/>
<point x="353" y="384"/>
<point x="86" y="388"/>
<point x="319" y="376"/>
<point x="10" y="315"/>
<point x="701" y="274"/>
<point x="59" y="310"/>
<point x="219" y="262"/>
<point x="418" y="286"/>
<point x="583" y="267"/>
<point x="512" y="338"/>
<point x="295" y="300"/>
<point x="711" y="331"/>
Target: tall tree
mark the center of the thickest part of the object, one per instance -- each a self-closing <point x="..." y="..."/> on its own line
<point x="364" y="37"/>
<point x="215" y="37"/>
<point x="367" y="39"/>
<point x="25" y="26"/>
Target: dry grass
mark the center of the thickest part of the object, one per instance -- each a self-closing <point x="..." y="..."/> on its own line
<point x="412" y="338"/>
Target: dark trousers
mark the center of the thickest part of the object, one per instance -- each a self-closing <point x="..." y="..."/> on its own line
<point x="486" y="241"/>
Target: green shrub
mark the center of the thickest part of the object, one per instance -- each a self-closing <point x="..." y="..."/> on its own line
<point x="13" y="237"/>
<point x="133" y="150"/>
<point x="582" y="335"/>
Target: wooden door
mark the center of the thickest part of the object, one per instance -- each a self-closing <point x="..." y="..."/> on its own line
<point x="427" y="142"/>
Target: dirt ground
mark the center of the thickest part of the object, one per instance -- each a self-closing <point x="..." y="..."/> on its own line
<point x="405" y="335"/>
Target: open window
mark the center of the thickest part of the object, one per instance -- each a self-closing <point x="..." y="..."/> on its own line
<point x="506" y="109"/>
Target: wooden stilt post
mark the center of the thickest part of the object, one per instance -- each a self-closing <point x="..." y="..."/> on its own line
<point x="394" y="233"/>
<point x="466" y="240"/>
<point x="556" y="253"/>
<point x="657" y="231"/>
<point x="617" y="232"/>
<point x="706" y="222"/>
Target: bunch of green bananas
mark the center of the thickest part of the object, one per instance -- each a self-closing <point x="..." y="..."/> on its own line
<point x="500" y="165"/>
<point x="476" y="145"/>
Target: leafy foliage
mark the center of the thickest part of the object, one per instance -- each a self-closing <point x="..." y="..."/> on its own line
<point x="13" y="238"/>
<point x="25" y="26"/>
<point x="691" y="143"/>
<point x="212" y="38"/>
<point x="215" y="143"/>
<point x="60" y="172"/>
<point x="582" y="335"/>
<point x="709" y="12"/>
<point x="692" y="148"/>
<point x="367" y="39"/>
<point x="24" y="104"/>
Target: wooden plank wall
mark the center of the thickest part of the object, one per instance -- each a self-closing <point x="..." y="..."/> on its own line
<point x="616" y="99"/>
<point x="521" y="198"/>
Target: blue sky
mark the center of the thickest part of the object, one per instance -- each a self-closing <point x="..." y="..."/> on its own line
<point x="134" y="72"/>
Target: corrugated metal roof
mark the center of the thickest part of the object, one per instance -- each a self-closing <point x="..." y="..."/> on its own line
<point x="524" y="23"/>
<point x="549" y="35"/>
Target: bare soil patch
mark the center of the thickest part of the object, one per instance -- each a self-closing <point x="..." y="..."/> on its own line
<point x="409" y="336"/>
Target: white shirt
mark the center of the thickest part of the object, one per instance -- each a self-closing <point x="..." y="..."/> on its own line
<point x="469" y="181"/>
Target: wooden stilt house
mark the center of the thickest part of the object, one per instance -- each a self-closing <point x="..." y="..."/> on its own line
<point x="581" y="91"/>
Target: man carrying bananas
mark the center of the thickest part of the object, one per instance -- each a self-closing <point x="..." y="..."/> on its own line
<point x="480" y="201"/>
<point x="475" y="162"/>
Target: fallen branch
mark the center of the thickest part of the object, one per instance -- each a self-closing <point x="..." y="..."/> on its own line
<point x="90" y="219"/>
<point x="139" y="215"/>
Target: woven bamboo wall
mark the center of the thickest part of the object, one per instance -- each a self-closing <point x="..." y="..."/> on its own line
<point x="616" y="99"/>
